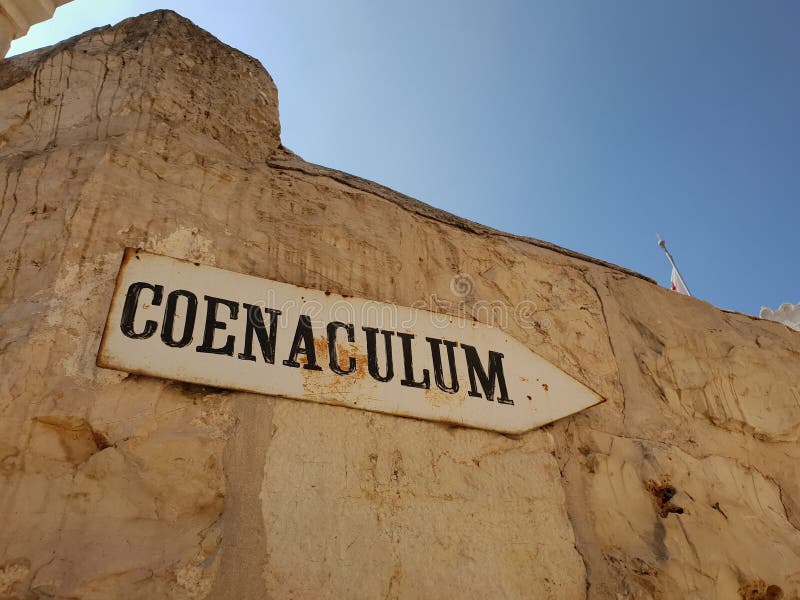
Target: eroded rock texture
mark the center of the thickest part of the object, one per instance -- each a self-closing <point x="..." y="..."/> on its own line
<point x="153" y="134"/>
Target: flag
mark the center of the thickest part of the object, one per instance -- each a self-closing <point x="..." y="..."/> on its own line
<point x="676" y="283"/>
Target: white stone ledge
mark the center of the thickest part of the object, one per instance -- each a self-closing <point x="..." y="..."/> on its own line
<point x="17" y="16"/>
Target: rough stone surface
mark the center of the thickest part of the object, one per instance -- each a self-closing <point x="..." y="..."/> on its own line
<point x="152" y="134"/>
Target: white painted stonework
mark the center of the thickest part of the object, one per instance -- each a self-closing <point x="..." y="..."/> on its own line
<point x="788" y="314"/>
<point x="17" y="16"/>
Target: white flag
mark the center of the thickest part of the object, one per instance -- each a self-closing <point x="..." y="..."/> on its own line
<point x="676" y="283"/>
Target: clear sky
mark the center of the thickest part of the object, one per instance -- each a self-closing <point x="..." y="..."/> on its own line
<point x="589" y="124"/>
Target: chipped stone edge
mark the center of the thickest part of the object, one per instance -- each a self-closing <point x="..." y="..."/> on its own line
<point x="286" y="160"/>
<point x="23" y="65"/>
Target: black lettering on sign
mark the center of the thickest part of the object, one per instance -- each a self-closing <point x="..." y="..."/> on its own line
<point x="372" y="354"/>
<point x="131" y="304"/>
<point x="438" y="374"/>
<point x="169" y="319"/>
<point x="474" y="367"/>
<point x="213" y="324"/>
<point x="303" y="343"/>
<point x="408" y="365"/>
<point x="486" y="380"/>
<point x="266" y="341"/>
<point x="333" y="352"/>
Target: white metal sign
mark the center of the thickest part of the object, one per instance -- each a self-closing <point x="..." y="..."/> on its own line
<point x="185" y="321"/>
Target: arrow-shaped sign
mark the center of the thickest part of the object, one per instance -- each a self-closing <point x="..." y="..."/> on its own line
<point x="190" y="322"/>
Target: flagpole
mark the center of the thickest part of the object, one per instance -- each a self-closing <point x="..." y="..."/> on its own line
<point x="663" y="245"/>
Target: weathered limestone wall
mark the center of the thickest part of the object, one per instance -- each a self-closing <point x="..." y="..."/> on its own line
<point x="153" y="134"/>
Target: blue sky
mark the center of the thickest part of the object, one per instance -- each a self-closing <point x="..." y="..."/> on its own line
<point x="589" y="124"/>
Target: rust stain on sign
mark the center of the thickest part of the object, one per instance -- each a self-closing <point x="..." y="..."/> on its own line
<point x="185" y="321"/>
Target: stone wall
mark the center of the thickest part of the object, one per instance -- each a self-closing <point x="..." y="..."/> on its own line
<point x="152" y="134"/>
